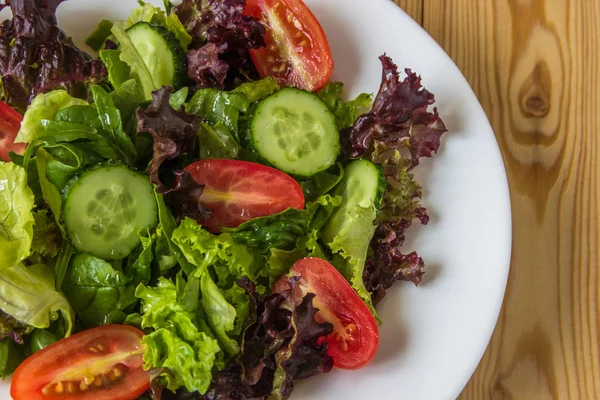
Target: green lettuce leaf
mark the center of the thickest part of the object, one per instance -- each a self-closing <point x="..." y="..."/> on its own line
<point x="97" y="38"/>
<point x="280" y="261"/>
<point x="50" y="193"/>
<point x="28" y="295"/>
<point x="220" y="314"/>
<point x="346" y="112"/>
<point x="134" y="60"/>
<point x="99" y="292"/>
<point x="44" y="107"/>
<point x="230" y="260"/>
<point x="16" y="218"/>
<point x="47" y="239"/>
<point x="178" y="344"/>
<point x="258" y="90"/>
<point x="322" y="182"/>
<point x="118" y="70"/>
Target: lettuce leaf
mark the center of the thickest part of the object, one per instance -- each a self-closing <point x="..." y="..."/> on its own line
<point x="47" y="239"/>
<point x="28" y="295"/>
<point x="178" y="344"/>
<point x="102" y="32"/>
<point x="44" y="106"/>
<point x="399" y="118"/>
<point x="36" y="56"/>
<point x="16" y="218"/>
<point x="222" y="36"/>
<point x="174" y="132"/>
<point x="130" y="56"/>
<point x="346" y="112"/>
<point x="219" y="313"/>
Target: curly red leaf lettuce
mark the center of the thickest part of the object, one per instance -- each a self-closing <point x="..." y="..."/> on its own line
<point x="399" y="123"/>
<point x="399" y="118"/>
<point x="36" y="56"/>
<point x="222" y="36"/>
<point x="174" y="133"/>
<point x="281" y="343"/>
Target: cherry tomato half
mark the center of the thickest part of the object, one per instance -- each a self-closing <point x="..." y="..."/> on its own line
<point x="103" y="363"/>
<point x="238" y="191"/>
<point x="297" y="51"/>
<point x="10" y="123"/>
<point x="355" y="337"/>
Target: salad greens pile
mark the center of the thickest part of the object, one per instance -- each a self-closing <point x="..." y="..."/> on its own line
<point x="213" y="327"/>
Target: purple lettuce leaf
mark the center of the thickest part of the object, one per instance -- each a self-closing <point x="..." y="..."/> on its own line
<point x="36" y="56"/>
<point x="399" y="118"/>
<point x="13" y="329"/>
<point x="395" y="134"/>
<point x="184" y="197"/>
<point x="221" y="37"/>
<point x="174" y="133"/>
<point x="281" y="343"/>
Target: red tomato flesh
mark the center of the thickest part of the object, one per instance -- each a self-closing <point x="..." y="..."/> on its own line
<point x="297" y="51"/>
<point x="355" y="337"/>
<point x="237" y="191"/>
<point x="103" y="363"/>
<point x="10" y="123"/>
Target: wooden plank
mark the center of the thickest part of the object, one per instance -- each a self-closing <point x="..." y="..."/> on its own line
<point x="535" y="66"/>
<point x="414" y="8"/>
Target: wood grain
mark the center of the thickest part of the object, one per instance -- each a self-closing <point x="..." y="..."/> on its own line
<point x="535" y="67"/>
<point x="414" y="8"/>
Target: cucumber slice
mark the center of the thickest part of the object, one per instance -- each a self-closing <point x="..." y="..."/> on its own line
<point x="294" y="131"/>
<point x="162" y="53"/>
<point x="363" y="187"/>
<point x="105" y="208"/>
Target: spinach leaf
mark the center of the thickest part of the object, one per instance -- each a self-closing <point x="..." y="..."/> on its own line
<point x="99" y="292"/>
<point x="98" y="37"/>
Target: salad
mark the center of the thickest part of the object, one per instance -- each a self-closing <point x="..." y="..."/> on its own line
<point x="197" y="211"/>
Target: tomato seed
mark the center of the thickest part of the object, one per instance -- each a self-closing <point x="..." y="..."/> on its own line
<point x="82" y="386"/>
<point x="59" y="387"/>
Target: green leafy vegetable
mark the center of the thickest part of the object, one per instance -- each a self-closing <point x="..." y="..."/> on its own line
<point x="44" y="107"/>
<point x="178" y="343"/>
<point x="282" y="230"/>
<point x="214" y="106"/>
<point x="230" y="260"/>
<point x="98" y="291"/>
<point x="322" y="183"/>
<point x="118" y="70"/>
<point x="16" y="218"/>
<point x="216" y="141"/>
<point x="101" y="33"/>
<point x="50" y="193"/>
<point x="177" y="99"/>
<point x="258" y="90"/>
<point x="11" y="355"/>
<point x="28" y="295"/>
<point x="110" y="119"/>
<point x="346" y="112"/>
<point x="47" y="239"/>
<point x="132" y="57"/>
<point x="220" y="314"/>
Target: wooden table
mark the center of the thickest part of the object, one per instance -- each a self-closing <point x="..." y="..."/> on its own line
<point x="535" y="67"/>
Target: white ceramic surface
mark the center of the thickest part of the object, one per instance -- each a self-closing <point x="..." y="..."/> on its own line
<point x="432" y="337"/>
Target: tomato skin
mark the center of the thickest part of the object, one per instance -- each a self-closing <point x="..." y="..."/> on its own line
<point x="338" y="304"/>
<point x="10" y="123"/>
<point x="237" y="191"/>
<point x="74" y="355"/>
<point x="297" y="51"/>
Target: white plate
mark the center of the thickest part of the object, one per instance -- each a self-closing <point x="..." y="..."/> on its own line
<point x="432" y="337"/>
